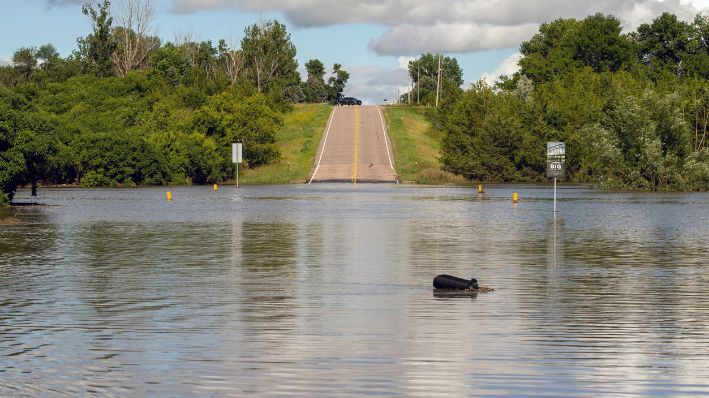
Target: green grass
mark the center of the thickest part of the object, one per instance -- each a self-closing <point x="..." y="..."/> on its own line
<point x="417" y="146"/>
<point x="416" y="142"/>
<point x="298" y="142"/>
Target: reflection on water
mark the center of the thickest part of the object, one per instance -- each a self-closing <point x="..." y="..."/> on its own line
<point x="326" y="291"/>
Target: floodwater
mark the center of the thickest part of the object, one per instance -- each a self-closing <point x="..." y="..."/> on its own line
<point x="325" y="291"/>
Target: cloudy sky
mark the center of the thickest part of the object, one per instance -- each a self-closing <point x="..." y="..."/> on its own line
<point x="373" y="39"/>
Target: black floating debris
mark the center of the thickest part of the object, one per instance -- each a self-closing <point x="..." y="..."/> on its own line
<point x="451" y="286"/>
<point x="444" y="281"/>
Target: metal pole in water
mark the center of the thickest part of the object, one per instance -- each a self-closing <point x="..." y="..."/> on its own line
<point x="554" y="194"/>
<point x="236" y="158"/>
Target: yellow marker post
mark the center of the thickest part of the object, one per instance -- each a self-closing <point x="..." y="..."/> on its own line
<point x="515" y="198"/>
<point x="481" y="189"/>
<point x="354" y="175"/>
<point x="168" y="194"/>
<point x="216" y="187"/>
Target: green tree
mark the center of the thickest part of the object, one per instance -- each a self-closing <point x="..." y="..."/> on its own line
<point x="700" y="34"/>
<point x="190" y="156"/>
<point x="699" y="47"/>
<point x="25" y="62"/>
<point x="27" y="144"/>
<point x="550" y="52"/>
<point x="484" y="133"/>
<point x="231" y="61"/>
<point x="424" y="73"/>
<point x="171" y="62"/>
<point x="314" y="89"/>
<point x="205" y="57"/>
<point x="238" y="116"/>
<point x="697" y="93"/>
<point x="600" y="45"/>
<point x="315" y="69"/>
<point x="270" y="54"/>
<point x="337" y="83"/>
<point x="99" y="46"/>
<point x="36" y="64"/>
<point x="48" y="57"/>
<point x="664" y="44"/>
<point x="12" y="163"/>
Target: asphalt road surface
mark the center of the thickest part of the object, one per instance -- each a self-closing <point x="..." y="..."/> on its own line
<point x="354" y="148"/>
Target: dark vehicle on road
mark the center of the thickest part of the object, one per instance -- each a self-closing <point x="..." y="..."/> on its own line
<point x="349" y="101"/>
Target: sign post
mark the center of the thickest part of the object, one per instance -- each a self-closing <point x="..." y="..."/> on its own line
<point x="556" y="156"/>
<point x="236" y="158"/>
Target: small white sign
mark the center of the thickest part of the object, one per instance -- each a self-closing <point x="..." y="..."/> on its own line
<point x="236" y="152"/>
<point x="556" y="156"/>
<point x="556" y="149"/>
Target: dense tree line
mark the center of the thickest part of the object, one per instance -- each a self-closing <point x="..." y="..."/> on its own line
<point x="633" y="108"/>
<point x="126" y="109"/>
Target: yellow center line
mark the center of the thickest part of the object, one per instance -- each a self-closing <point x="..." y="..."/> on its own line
<point x="354" y="176"/>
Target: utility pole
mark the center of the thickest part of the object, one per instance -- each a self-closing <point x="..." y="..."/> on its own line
<point x="438" y="83"/>
<point x="411" y="88"/>
<point x="418" y="83"/>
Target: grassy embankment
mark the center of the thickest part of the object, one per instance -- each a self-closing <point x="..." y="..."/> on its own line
<point x="417" y="146"/>
<point x="298" y="142"/>
<point x="416" y="142"/>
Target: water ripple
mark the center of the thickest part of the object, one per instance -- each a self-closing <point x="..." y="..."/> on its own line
<point x="325" y="291"/>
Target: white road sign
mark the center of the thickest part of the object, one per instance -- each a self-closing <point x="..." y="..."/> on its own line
<point x="236" y="153"/>
<point x="556" y="156"/>
<point x="556" y="149"/>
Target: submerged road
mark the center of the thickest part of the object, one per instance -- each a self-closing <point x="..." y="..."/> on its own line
<point x="354" y="148"/>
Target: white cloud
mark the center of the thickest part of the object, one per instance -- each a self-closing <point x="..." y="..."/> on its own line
<point x="374" y="84"/>
<point x="404" y="62"/>
<point x="507" y="67"/>
<point x="699" y="4"/>
<point x="457" y="37"/>
<point x="450" y="25"/>
<point x="426" y="12"/>
<point x="64" y="2"/>
<point x="4" y="60"/>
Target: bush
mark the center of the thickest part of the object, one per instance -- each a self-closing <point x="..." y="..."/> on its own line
<point x="93" y="178"/>
<point x="119" y="159"/>
<point x="238" y="116"/>
<point x="697" y="170"/>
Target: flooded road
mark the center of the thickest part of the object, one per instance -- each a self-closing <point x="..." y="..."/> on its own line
<point x="325" y="290"/>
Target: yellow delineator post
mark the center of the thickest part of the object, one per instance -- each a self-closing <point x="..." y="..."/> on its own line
<point x="481" y="189"/>
<point x="216" y="187"/>
<point x="515" y="198"/>
<point x="354" y="175"/>
<point x="168" y="195"/>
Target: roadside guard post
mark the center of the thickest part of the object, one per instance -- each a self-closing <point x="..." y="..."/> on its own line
<point x="236" y="158"/>
<point x="556" y="156"/>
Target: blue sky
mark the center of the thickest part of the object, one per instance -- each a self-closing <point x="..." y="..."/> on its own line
<point x="371" y="38"/>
